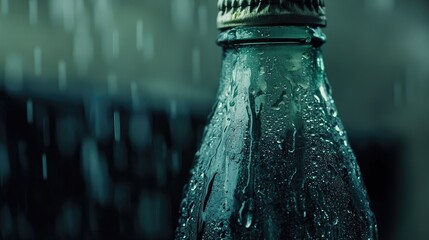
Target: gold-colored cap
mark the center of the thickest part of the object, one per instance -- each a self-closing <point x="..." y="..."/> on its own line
<point x="233" y="13"/>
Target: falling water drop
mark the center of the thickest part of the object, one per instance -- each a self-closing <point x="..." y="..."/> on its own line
<point x="44" y="167"/>
<point x="83" y="48"/>
<point x="4" y="4"/>
<point x="99" y="118"/>
<point x="30" y="113"/>
<point x="182" y="14"/>
<point x="32" y="12"/>
<point x="135" y="99"/>
<point x="37" y="61"/>
<point x="292" y="149"/>
<point x="115" y="43"/>
<point x="95" y="171"/>
<point x="139" y="35"/>
<point x="381" y="5"/>
<point x="196" y="64"/>
<point x="117" y="126"/>
<point x="63" y="13"/>
<point x="62" y="75"/>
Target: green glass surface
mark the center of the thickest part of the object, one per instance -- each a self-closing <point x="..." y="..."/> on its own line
<point x="275" y="162"/>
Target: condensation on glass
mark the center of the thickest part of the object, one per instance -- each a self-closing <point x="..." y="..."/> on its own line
<point x="275" y="162"/>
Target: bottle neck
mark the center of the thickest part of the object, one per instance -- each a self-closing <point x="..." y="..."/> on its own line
<point x="253" y="35"/>
<point x="274" y="69"/>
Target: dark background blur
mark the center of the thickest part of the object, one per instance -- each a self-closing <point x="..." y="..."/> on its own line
<point x="103" y="104"/>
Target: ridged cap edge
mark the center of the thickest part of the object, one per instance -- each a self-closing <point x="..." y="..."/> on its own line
<point x="234" y="13"/>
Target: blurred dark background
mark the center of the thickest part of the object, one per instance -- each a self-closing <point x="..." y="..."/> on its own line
<point x="103" y="102"/>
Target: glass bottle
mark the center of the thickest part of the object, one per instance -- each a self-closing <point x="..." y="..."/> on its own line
<point x="275" y="162"/>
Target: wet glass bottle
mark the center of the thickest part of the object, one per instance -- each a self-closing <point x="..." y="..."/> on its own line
<point x="275" y="162"/>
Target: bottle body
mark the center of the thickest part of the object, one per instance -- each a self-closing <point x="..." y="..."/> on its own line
<point x="275" y="162"/>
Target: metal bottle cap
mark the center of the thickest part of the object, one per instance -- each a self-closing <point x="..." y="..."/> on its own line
<point x="233" y="13"/>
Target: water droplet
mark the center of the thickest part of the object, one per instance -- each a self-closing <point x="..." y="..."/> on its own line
<point x="317" y="98"/>
<point x="99" y="118"/>
<point x="37" y="61"/>
<point x="32" y="12"/>
<point x="30" y="112"/>
<point x="62" y="75"/>
<point x="103" y="15"/>
<point x="292" y="149"/>
<point x="245" y="216"/>
<point x="4" y="4"/>
<point x="139" y="35"/>
<point x="339" y="130"/>
<point x="117" y="126"/>
<point x="248" y="220"/>
<point x="83" y="47"/>
<point x="323" y="93"/>
<point x="95" y="172"/>
<point x="135" y="98"/>
<point x="182" y="14"/>
<point x="44" y="167"/>
<point x="115" y="43"/>
<point x="196" y="64"/>
<point x="173" y="109"/>
<point x="63" y="12"/>
<point x="193" y="186"/>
